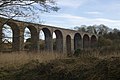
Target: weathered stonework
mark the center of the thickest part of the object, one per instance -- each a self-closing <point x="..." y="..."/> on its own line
<point x="66" y="40"/>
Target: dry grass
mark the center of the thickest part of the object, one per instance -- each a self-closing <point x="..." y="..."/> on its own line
<point x="17" y="59"/>
<point x="99" y="55"/>
<point x="88" y="66"/>
<point x="85" y="58"/>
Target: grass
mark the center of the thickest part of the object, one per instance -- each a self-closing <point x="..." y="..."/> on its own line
<point x="17" y="59"/>
<point x="54" y="66"/>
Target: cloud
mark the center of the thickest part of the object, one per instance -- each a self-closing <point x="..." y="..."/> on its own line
<point x="64" y="16"/>
<point x="94" y="13"/>
<point x="72" y="21"/>
<point x="67" y="16"/>
<point x="71" y="3"/>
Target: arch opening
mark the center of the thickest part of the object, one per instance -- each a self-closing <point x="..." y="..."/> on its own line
<point x="30" y="38"/>
<point x="27" y="35"/>
<point x="93" y="41"/>
<point x="7" y="38"/>
<point x="10" y="37"/>
<point x="27" y="38"/>
<point x="77" y="41"/>
<point x="45" y="40"/>
<point x="86" y="41"/>
<point x="7" y="34"/>
<point x="68" y="44"/>
<point x="58" y="41"/>
<point x="41" y="41"/>
<point x="54" y="41"/>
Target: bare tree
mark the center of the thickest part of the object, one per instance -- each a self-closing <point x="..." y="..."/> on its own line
<point x="25" y="8"/>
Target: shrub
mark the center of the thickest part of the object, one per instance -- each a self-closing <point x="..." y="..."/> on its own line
<point x="77" y="52"/>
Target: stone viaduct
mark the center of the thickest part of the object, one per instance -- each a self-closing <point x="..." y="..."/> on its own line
<point x="67" y="41"/>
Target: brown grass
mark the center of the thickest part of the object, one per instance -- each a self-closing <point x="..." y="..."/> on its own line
<point x="17" y="59"/>
<point x="85" y="58"/>
<point x="88" y="66"/>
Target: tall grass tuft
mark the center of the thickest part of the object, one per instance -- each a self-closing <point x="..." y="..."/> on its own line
<point x="17" y="59"/>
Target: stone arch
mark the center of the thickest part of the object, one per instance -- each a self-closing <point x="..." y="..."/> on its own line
<point x="86" y="41"/>
<point x="27" y="34"/>
<point x="93" y="41"/>
<point x="48" y="39"/>
<point x="68" y="44"/>
<point x="77" y="41"/>
<point x="15" y="35"/>
<point x="7" y="34"/>
<point x="34" y="37"/>
<point x="59" y="41"/>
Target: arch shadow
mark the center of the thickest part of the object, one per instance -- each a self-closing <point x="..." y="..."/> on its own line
<point x="68" y="44"/>
<point x="77" y="41"/>
<point x="86" y="41"/>
<point x="58" y="41"/>
<point x="48" y="39"/>
<point x="93" y="41"/>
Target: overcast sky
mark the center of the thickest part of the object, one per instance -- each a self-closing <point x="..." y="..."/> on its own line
<point x="84" y="12"/>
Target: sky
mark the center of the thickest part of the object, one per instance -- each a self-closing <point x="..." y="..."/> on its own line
<point x="84" y="12"/>
<point x="74" y="13"/>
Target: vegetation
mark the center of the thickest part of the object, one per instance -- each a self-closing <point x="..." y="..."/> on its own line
<point x="95" y="29"/>
<point x="86" y="67"/>
<point x="108" y="38"/>
<point x="22" y="8"/>
<point x="101" y="63"/>
<point x="28" y="9"/>
<point x="16" y="59"/>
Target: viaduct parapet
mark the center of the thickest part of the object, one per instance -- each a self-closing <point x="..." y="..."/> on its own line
<point x="67" y="41"/>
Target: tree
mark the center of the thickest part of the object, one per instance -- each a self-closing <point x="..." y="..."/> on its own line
<point x="91" y="29"/>
<point x="95" y="29"/>
<point x="25" y="8"/>
<point x="102" y="42"/>
<point x="115" y="30"/>
<point x="81" y="29"/>
<point x="102" y="29"/>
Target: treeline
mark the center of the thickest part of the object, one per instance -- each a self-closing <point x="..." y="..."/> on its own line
<point x="109" y="39"/>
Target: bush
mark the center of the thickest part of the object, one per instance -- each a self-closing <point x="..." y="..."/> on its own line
<point x="77" y="52"/>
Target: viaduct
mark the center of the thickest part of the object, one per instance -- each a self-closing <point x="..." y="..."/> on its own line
<point x="67" y="41"/>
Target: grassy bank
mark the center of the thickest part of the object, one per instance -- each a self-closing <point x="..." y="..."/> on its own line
<point x="17" y="59"/>
<point x="85" y="67"/>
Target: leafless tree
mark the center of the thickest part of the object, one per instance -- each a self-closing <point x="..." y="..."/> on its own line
<point x="25" y="8"/>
